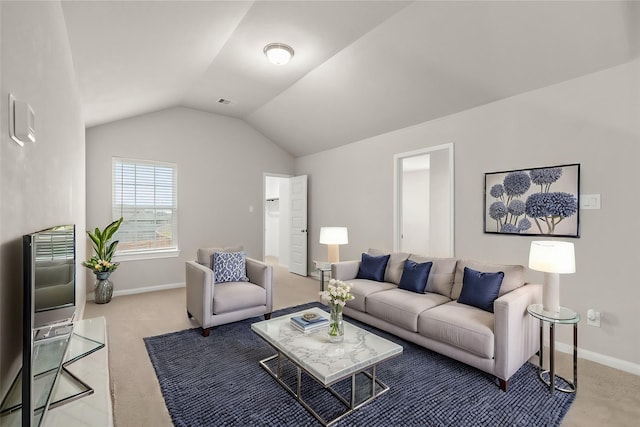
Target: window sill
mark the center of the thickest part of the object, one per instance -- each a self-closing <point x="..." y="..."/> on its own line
<point x="137" y="256"/>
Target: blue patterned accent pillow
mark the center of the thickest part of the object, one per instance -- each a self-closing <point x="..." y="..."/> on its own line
<point x="229" y="267"/>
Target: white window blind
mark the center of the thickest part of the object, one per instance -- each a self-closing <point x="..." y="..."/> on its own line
<point x="55" y="244"/>
<point x="145" y="195"/>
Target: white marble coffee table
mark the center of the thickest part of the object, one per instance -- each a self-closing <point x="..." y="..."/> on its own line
<point x="326" y="362"/>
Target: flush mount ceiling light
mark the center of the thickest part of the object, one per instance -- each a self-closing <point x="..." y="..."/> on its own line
<point x="278" y="53"/>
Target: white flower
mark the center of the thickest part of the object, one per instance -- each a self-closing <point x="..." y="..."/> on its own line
<point x="338" y="292"/>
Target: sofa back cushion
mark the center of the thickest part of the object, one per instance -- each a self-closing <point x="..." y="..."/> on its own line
<point x="513" y="276"/>
<point x="205" y="255"/>
<point x="441" y="276"/>
<point x="395" y="265"/>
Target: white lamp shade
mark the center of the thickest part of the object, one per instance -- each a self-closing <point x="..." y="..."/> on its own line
<point x="334" y="235"/>
<point x="552" y="257"/>
<point x="278" y="53"/>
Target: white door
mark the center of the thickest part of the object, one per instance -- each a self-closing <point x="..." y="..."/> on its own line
<point x="298" y="258"/>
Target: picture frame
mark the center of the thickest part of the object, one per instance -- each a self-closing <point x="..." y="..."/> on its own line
<point x="541" y="201"/>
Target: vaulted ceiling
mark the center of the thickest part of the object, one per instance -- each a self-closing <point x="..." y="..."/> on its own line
<point x="361" y="68"/>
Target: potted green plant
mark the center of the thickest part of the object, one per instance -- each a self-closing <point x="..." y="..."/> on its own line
<point x="100" y="264"/>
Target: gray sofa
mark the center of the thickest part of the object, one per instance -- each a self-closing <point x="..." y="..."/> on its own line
<point x="498" y="343"/>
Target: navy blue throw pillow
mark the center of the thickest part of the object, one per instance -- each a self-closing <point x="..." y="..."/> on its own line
<point x="414" y="276"/>
<point x="373" y="267"/>
<point x="480" y="289"/>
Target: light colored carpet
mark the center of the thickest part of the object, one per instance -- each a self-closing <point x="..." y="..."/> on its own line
<point x="605" y="396"/>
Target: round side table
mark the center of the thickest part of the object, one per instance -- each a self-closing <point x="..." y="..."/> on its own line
<point x="566" y="316"/>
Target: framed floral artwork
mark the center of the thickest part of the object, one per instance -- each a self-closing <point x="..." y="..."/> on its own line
<point x="533" y="202"/>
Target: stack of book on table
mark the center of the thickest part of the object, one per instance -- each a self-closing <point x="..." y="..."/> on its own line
<point x="309" y="322"/>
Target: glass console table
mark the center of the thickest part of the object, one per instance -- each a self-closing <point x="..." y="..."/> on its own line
<point x="566" y="316"/>
<point x="52" y="382"/>
<point x="325" y="270"/>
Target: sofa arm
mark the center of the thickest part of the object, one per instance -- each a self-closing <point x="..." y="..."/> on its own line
<point x="516" y="332"/>
<point x="345" y="270"/>
<point x="261" y="274"/>
<point x="199" y="284"/>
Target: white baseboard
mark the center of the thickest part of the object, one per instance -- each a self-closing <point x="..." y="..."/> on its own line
<point x="91" y="296"/>
<point x="612" y="362"/>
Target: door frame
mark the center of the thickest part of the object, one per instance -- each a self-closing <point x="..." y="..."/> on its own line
<point x="397" y="191"/>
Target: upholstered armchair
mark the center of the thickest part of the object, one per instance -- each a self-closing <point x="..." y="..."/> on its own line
<point x="212" y="304"/>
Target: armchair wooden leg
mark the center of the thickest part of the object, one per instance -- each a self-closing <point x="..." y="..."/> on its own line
<point x="267" y="316"/>
<point x="205" y="332"/>
<point x="504" y="384"/>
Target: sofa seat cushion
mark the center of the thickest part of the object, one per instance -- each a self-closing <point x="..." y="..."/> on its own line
<point x="401" y="307"/>
<point x="463" y="326"/>
<point x="361" y="288"/>
<point x="232" y="296"/>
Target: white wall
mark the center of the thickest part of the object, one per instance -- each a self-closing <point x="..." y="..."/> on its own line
<point x="277" y="219"/>
<point x="221" y="165"/>
<point x="41" y="184"/>
<point x="272" y="228"/>
<point x="593" y="120"/>
<point x="284" y="245"/>
<point x="415" y="211"/>
<point x="272" y="217"/>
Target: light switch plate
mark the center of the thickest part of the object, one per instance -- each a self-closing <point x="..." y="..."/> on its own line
<point x="589" y="201"/>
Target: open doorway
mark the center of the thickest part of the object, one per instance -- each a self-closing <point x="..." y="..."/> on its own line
<point x="423" y="201"/>
<point x="416" y="194"/>
<point x="277" y="217"/>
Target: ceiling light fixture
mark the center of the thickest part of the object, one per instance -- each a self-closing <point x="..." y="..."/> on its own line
<point x="278" y="53"/>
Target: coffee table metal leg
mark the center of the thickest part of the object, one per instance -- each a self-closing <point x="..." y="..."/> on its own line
<point x="353" y="391"/>
<point x="373" y="381"/>
<point x="351" y="406"/>
<point x="279" y="368"/>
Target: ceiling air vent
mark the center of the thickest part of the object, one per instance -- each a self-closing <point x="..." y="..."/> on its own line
<point x="224" y="101"/>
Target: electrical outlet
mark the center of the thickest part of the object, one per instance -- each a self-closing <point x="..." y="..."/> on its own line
<point x="593" y="318"/>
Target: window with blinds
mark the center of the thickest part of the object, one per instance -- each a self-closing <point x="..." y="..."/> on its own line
<point x="145" y="195"/>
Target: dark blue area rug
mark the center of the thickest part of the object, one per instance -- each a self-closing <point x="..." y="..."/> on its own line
<point x="217" y="381"/>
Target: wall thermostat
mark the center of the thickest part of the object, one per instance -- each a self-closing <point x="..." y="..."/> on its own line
<point x="21" y="121"/>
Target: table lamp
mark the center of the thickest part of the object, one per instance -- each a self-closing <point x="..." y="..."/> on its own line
<point x="553" y="258"/>
<point x="333" y="237"/>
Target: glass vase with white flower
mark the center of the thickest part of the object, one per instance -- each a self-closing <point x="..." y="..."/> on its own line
<point x="337" y="295"/>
